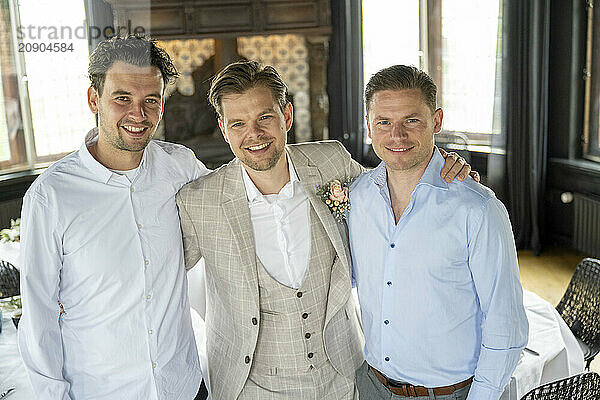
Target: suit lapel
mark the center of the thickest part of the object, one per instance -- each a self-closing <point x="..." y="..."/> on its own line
<point x="236" y="210"/>
<point x="310" y="176"/>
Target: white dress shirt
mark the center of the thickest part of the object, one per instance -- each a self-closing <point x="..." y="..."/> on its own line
<point x="281" y="229"/>
<point x="110" y="250"/>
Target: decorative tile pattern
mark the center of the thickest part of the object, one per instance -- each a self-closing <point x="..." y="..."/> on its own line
<point x="187" y="55"/>
<point x="288" y="54"/>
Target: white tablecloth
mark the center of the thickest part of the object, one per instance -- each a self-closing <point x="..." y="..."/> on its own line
<point x="9" y="252"/>
<point x="12" y="371"/>
<point x="558" y="353"/>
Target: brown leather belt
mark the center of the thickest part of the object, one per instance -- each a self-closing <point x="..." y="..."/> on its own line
<point x="418" y="391"/>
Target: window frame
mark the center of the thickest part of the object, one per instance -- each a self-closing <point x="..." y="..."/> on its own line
<point x="431" y="43"/>
<point x="591" y="118"/>
<point x="24" y="157"/>
<point x="19" y="147"/>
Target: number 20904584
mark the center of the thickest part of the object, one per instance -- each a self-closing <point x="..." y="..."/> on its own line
<point x="45" y="47"/>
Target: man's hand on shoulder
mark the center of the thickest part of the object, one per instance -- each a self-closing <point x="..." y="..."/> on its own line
<point x="456" y="167"/>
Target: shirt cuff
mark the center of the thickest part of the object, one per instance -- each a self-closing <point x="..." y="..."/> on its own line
<point x="479" y="391"/>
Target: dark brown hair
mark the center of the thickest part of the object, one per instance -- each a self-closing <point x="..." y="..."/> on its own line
<point x="138" y="50"/>
<point x="398" y="77"/>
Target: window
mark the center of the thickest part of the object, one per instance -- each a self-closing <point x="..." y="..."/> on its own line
<point x="43" y="63"/>
<point x="591" y="133"/>
<point x="459" y="43"/>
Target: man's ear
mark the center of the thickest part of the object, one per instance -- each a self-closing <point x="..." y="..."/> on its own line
<point x="438" y="116"/>
<point x="93" y="99"/>
<point x="288" y="115"/>
<point x="222" y="129"/>
<point x="162" y="107"/>
<point x="368" y="127"/>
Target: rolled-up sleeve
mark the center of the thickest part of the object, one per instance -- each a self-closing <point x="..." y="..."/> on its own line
<point x="39" y="334"/>
<point x="504" y="328"/>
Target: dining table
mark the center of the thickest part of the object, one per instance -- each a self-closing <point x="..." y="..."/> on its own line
<point x="12" y="370"/>
<point x="552" y="351"/>
<point x="10" y="252"/>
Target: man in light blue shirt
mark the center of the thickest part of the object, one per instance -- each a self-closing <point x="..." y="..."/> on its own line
<point x="434" y="262"/>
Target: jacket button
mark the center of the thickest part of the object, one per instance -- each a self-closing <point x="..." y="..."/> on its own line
<point x="247" y="360"/>
<point x="299" y="294"/>
<point x="310" y="355"/>
<point x="305" y="315"/>
<point x="254" y="321"/>
<point x="307" y="335"/>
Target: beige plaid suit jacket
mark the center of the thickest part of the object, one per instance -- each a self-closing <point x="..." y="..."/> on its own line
<point x="216" y="225"/>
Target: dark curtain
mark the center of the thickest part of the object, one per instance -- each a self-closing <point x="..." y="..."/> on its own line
<point x="344" y="76"/>
<point x="98" y="15"/>
<point x="525" y="116"/>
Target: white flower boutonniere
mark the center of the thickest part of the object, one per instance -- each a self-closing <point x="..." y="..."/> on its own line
<point x="335" y="196"/>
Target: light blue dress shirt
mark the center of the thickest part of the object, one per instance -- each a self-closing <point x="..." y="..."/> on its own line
<point x="439" y="292"/>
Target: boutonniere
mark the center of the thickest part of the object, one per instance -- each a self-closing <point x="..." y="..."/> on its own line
<point x="335" y="196"/>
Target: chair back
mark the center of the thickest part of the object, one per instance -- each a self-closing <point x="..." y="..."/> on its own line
<point x="579" y="387"/>
<point x="9" y="280"/>
<point x="580" y="305"/>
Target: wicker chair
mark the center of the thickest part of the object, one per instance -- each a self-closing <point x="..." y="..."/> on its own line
<point x="579" y="387"/>
<point x="580" y="307"/>
<point x="9" y="280"/>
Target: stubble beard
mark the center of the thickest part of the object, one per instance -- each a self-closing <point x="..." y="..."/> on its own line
<point x="262" y="165"/>
<point x="115" y="138"/>
<point x="413" y="163"/>
<point x="118" y="142"/>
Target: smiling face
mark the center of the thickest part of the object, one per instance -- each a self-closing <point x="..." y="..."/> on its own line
<point x="129" y="108"/>
<point x="401" y="126"/>
<point x="255" y="127"/>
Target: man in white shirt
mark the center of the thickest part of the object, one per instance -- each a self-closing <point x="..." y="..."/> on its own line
<point x="105" y="307"/>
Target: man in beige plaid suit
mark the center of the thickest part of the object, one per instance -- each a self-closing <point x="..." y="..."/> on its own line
<point x="281" y="322"/>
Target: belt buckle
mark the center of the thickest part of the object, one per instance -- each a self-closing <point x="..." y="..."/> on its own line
<point x="394" y="383"/>
<point x="408" y="390"/>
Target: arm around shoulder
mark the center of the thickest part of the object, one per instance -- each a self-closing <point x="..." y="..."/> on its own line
<point x="191" y="248"/>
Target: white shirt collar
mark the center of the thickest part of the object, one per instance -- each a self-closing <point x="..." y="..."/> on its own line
<point x="287" y="192"/>
<point x="103" y="173"/>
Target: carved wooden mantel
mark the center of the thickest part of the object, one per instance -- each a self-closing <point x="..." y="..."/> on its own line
<point x="168" y="19"/>
<point x="224" y="21"/>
